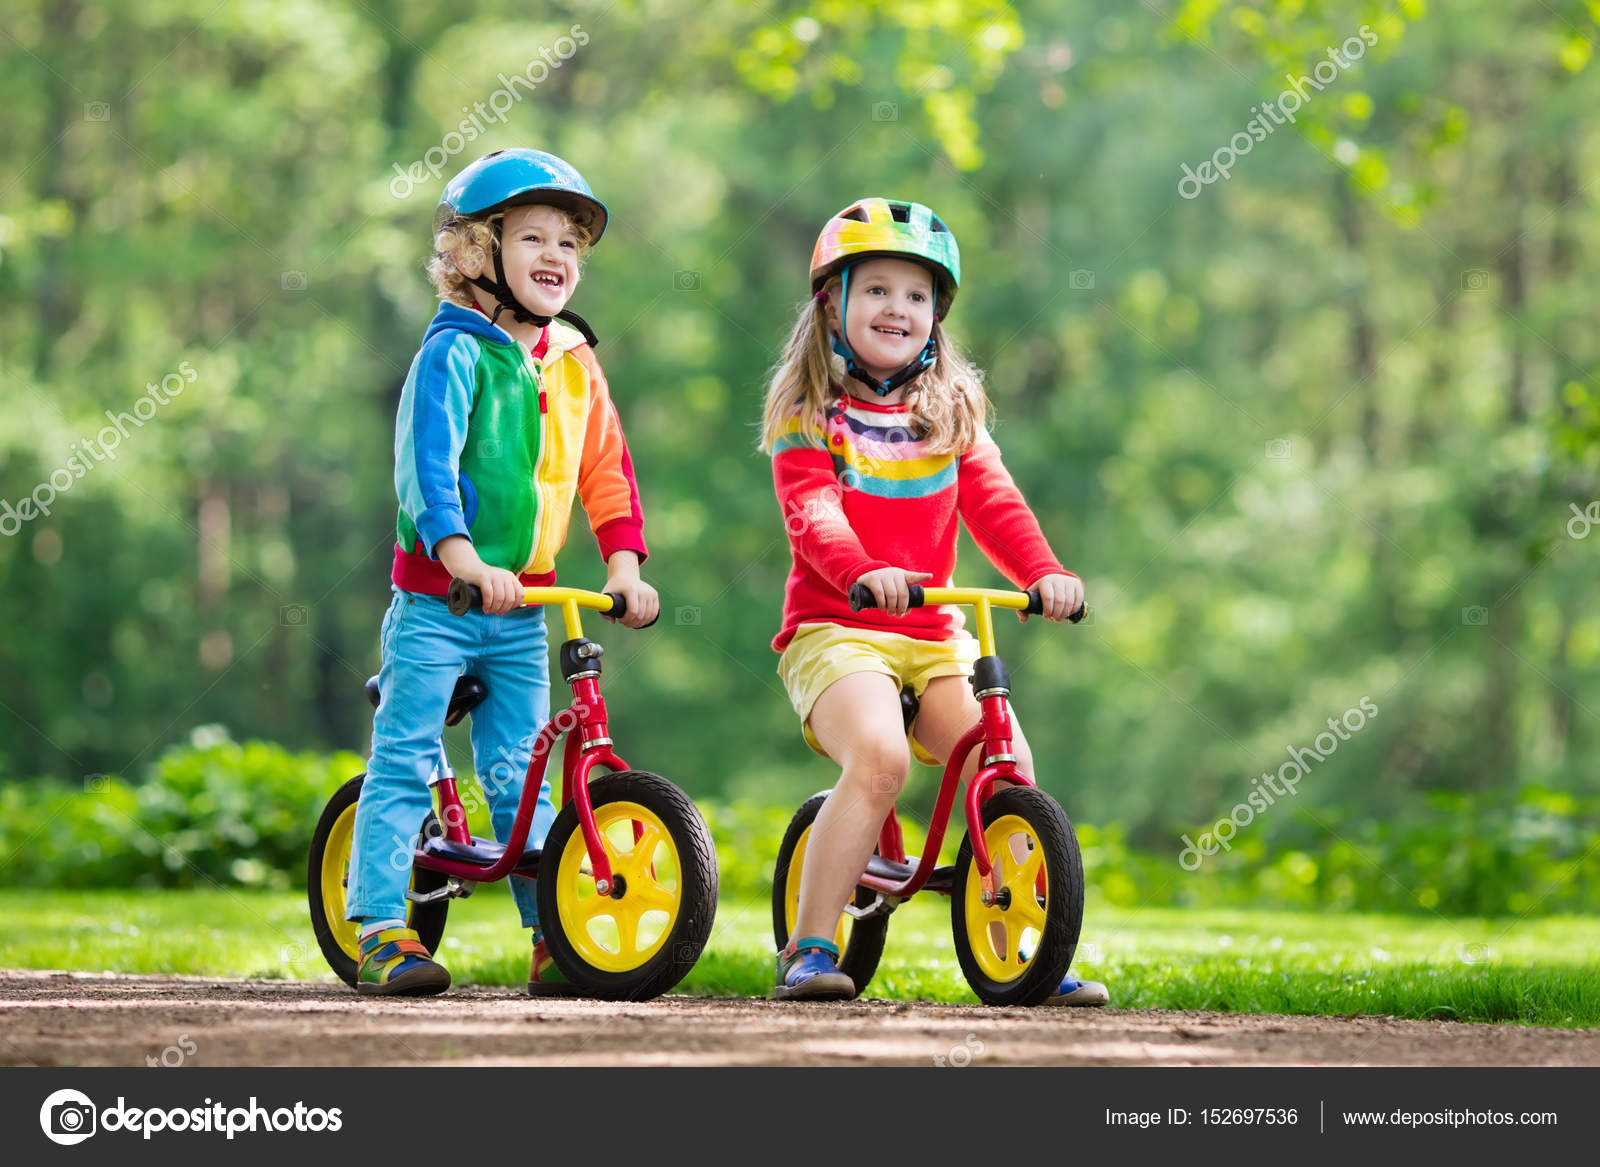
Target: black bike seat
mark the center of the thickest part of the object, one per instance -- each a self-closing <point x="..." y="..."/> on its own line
<point x="469" y="694"/>
<point x="909" y="705"/>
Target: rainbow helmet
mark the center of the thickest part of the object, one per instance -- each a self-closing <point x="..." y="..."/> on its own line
<point x="875" y="227"/>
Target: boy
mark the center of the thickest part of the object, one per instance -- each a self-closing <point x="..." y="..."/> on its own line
<point x="504" y="415"/>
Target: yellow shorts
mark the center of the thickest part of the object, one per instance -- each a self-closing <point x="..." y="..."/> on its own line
<point x="821" y="654"/>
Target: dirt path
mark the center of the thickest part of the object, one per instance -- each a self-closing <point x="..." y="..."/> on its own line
<point x="77" y="1019"/>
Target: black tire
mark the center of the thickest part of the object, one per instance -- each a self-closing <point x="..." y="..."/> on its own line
<point x="427" y="919"/>
<point x="688" y="926"/>
<point x="864" y="939"/>
<point x="1062" y="911"/>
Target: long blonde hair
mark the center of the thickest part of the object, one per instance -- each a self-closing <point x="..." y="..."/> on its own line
<point x="948" y="400"/>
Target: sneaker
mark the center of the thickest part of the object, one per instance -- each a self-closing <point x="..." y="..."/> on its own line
<point x="807" y="972"/>
<point x="544" y="978"/>
<point x="1072" y="991"/>
<point x="395" y="963"/>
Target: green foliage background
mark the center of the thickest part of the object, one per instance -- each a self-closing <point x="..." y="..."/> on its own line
<point x="1312" y="436"/>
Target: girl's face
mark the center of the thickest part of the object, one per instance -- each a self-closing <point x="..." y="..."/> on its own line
<point x="890" y="314"/>
<point x="539" y="251"/>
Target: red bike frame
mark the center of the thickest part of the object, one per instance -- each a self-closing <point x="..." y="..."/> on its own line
<point x="588" y="745"/>
<point x="992" y="731"/>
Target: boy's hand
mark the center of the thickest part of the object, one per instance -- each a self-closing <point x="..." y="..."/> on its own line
<point x="502" y="590"/>
<point x="891" y="587"/>
<point x="623" y="580"/>
<point x="1062" y="595"/>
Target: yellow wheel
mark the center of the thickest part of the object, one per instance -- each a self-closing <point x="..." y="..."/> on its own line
<point x="1015" y="949"/>
<point x="860" y="942"/>
<point x="642" y="936"/>
<point x="327" y="877"/>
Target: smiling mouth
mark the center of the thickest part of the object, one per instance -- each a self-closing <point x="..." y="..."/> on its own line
<point x="551" y="281"/>
<point x="897" y="333"/>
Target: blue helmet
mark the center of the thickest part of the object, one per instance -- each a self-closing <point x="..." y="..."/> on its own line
<point x="510" y="178"/>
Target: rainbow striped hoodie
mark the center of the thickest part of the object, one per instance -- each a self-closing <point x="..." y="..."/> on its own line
<point x="492" y="440"/>
<point x="860" y="490"/>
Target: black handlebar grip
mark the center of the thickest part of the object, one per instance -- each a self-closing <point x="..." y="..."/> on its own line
<point x="619" y="609"/>
<point x="861" y="597"/>
<point x="463" y="597"/>
<point x="1036" y="608"/>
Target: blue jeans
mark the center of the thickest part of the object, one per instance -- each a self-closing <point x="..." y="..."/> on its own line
<point x="425" y="649"/>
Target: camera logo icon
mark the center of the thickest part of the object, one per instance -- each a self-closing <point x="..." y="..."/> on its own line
<point x="67" y="1117"/>
<point x="1081" y="280"/>
<point x="885" y="111"/>
<point x="1475" y="614"/>
<point x="686" y="280"/>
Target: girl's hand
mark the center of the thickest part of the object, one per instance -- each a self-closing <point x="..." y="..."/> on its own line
<point x="1062" y="596"/>
<point x="891" y="587"/>
<point x="502" y="590"/>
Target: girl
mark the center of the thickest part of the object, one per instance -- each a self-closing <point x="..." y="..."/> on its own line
<point x="874" y="456"/>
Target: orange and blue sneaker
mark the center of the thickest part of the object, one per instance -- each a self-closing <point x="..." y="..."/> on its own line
<point x="544" y="978"/>
<point x="1072" y="991"/>
<point x="395" y="963"/>
<point x="807" y="971"/>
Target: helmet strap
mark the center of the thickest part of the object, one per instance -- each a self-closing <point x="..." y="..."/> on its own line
<point x="923" y="361"/>
<point x="505" y="299"/>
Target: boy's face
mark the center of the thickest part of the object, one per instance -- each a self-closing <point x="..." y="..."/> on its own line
<point x="539" y="251"/>
<point x="890" y="314"/>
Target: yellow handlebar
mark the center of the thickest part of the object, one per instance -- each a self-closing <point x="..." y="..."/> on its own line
<point x="981" y="599"/>
<point x="463" y="597"/>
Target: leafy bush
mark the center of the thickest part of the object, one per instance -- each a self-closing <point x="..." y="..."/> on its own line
<point x="217" y="813"/>
<point x="212" y="813"/>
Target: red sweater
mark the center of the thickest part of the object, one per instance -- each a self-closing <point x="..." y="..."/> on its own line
<point x="859" y="491"/>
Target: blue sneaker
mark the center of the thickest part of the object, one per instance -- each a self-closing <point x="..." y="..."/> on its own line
<point x="1072" y="991"/>
<point x="807" y="972"/>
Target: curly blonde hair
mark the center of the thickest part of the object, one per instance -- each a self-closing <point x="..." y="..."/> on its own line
<point x="457" y="238"/>
<point x="948" y="400"/>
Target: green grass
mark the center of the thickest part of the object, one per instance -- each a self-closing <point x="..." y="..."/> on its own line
<point x="1539" y="972"/>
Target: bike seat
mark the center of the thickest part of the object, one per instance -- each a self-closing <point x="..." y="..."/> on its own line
<point x="469" y="693"/>
<point x="482" y="852"/>
<point x="909" y="705"/>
